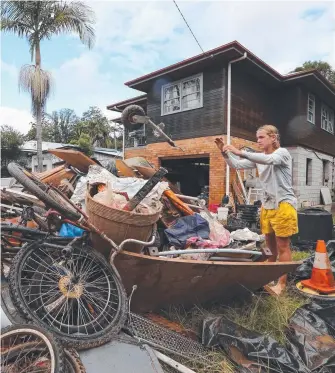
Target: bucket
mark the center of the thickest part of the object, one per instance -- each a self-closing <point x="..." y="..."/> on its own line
<point x="118" y="225"/>
<point x="223" y="213"/>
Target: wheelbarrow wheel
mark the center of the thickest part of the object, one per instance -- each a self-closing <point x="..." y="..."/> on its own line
<point x="29" y="348"/>
<point x="50" y="197"/>
<point x="79" y="298"/>
<point x="128" y="114"/>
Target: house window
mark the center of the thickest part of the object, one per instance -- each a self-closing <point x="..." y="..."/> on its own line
<point x="183" y="95"/>
<point x="327" y="119"/>
<point x="311" y="109"/>
<point x="308" y="171"/>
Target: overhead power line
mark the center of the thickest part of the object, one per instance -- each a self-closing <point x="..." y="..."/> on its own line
<point x="188" y="26"/>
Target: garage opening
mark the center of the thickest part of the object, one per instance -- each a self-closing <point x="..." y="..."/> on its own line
<point x="190" y="175"/>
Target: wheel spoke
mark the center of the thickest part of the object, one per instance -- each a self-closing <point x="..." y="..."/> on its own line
<point x="25" y="351"/>
<point x="78" y="295"/>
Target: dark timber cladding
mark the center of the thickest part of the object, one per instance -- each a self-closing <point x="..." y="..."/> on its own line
<point x="252" y="104"/>
<point x="312" y="135"/>
<point x="260" y="95"/>
<point x="205" y="121"/>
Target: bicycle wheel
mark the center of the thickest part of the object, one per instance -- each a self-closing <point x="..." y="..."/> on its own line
<point x="40" y="190"/>
<point x="79" y="299"/>
<point x="73" y="362"/>
<point x="30" y="349"/>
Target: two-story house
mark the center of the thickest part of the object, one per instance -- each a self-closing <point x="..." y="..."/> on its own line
<point x="229" y="91"/>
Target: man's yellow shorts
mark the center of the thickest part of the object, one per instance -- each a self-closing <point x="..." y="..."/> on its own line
<point x="283" y="221"/>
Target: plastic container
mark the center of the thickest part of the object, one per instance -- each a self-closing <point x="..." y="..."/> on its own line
<point x="223" y="213"/>
<point x="315" y="224"/>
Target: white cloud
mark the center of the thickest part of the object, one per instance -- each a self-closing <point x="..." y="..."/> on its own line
<point x="19" y="119"/>
<point x="282" y="33"/>
<point x="9" y="69"/>
<point x="135" y="38"/>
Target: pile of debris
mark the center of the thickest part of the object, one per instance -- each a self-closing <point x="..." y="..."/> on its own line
<point x="55" y="226"/>
<point x="85" y="243"/>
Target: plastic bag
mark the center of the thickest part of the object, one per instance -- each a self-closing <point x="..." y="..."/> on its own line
<point x="218" y="234"/>
<point x="244" y="235"/>
<point x="258" y="353"/>
<point x="129" y="185"/>
<point x="111" y="199"/>
<point x="310" y="343"/>
<point x="305" y="269"/>
<point x="69" y="230"/>
<point x="311" y="334"/>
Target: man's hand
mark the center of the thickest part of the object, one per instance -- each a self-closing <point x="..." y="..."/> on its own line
<point x="231" y="148"/>
<point x="219" y="143"/>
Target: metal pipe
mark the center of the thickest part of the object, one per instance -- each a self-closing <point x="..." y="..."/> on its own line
<point x="144" y="243"/>
<point x="209" y="251"/>
<point x="20" y="209"/>
<point x="182" y="196"/>
<point x="194" y="206"/>
<point x="131" y="240"/>
<point x="229" y="259"/>
<point x="123" y="141"/>
<point x="229" y="115"/>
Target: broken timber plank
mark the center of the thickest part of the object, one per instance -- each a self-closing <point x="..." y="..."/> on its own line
<point x="74" y="158"/>
<point x="124" y="169"/>
<point x="238" y="193"/>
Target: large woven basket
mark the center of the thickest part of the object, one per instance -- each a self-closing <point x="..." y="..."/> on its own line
<point x="118" y="225"/>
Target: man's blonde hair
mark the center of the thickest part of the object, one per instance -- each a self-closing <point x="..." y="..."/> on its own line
<point x="271" y="131"/>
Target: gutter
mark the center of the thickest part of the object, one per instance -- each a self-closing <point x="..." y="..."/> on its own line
<point x="114" y="108"/>
<point x="229" y="116"/>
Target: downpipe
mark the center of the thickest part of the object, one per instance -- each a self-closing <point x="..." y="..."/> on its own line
<point x="229" y="116"/>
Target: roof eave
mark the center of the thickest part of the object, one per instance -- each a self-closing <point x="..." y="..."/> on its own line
<point x="133" y="100"/>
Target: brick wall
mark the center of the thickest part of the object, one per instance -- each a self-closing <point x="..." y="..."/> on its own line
<point x="310" y="192"/>
<point x="201" y="146"/>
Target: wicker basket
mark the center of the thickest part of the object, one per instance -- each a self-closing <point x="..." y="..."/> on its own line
<point x="118" y="225"/>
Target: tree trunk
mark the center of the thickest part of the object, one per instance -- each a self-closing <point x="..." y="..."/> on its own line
<point x="39" y="139"/>
<point x="39" y="117"/>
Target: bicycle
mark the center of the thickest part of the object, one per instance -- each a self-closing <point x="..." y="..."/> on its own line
<point x="69" y="289"/>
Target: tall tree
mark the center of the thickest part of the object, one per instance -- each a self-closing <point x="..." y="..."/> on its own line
<point x="61" y="124"/>
<point x="11" y="140"/>
<point x="324" y="69"/>
<point x="97" y="126"/>
<point x="46" y="130"/>
<point x="37" y="21"/>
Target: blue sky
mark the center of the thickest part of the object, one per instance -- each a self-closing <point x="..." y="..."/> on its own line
<point x="135" y="38"/>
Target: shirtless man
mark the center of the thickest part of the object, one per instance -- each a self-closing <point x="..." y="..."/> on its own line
<point x="279" y="220"/>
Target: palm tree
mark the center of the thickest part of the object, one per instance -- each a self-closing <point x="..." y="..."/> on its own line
<point x="36" y="21"/>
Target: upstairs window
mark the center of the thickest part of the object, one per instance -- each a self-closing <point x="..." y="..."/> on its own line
<point x="311" y="109"/>
<point x="186" y="94"/>
<point x="327" y="119"/>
